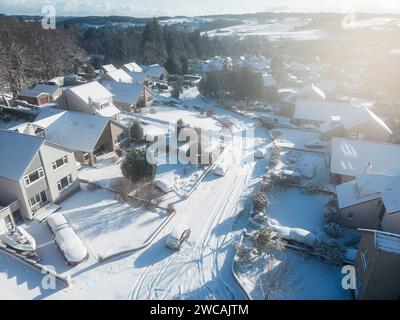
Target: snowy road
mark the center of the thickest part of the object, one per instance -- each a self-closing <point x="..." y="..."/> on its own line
<point x="202" y="269"/>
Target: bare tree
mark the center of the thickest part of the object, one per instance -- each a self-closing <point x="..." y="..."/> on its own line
<point x="123" y="188"/>
<point x="278" y="279"/>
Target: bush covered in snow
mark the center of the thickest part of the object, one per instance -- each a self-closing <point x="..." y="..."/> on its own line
<point x="331" y="251"/>
<point x="262" y="238"/>
<point x="333" y="230"/>
<point x="331" y="216"/>
<point x="260" y="201"/>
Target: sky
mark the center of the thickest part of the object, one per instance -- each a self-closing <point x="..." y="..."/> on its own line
<point x="149" y="8"/>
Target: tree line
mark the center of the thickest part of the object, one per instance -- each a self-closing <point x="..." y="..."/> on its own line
<point x="30" y="54"/>
<point x="237" y="83"/>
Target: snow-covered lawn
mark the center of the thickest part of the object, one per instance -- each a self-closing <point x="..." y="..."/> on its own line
<point x="295" y="209"/>
<point x="316" y="280"/>
<point x="107" y="225"/>
<point x="295" y="138"/>
<point x="106" y="173"/>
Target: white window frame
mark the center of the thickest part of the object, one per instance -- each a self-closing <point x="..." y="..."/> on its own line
<point x="69" y="180"/>
<point x="41" y="175"/>
<point x="65" y="162"/>
<point x="364" y="259"/>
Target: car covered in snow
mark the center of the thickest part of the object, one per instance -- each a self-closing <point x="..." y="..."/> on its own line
<point x="71" y="246"/>
<point x="178" y="236"/>
<point x="316" y="144"/>
<point x="57" y="222"/>
<point x="221" y="169"/>
<point x="260" y="153"/>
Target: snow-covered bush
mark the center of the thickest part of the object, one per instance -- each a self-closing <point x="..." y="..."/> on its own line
<point x="331" y="215"/>
<point x="262" y="237"/>
<point x="333" y="230"/>
<point x="331" y="251"/>
<point x="260" y="201"/>
<point x="243" y="254"/>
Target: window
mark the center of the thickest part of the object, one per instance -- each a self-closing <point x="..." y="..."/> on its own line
<point x="122" y="137"/>
<point x="350" y="215"/>
<point x="364" y="259"/>
<point x="60" y="162"/>
<point x="34" y="176"/>
<point x="38" y="200"/>
<point x="64" y="182"/>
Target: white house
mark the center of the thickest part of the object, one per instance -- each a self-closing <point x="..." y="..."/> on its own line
<point x="132" y="67"/>
<point x="118" y="75"/>
<point x="90" y="98"/>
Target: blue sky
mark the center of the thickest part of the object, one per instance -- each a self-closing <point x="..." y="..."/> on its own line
<point x="145" y="8"/>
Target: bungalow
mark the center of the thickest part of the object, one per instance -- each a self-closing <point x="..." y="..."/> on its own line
<point x="108" y="68"/>
<point x="128" y="96"/>
<point x="370" y="202"/>
<point x="45" y="172"/>
<point x="357" y="123"/>
<point x="91" y="98"/>
<point x="118" y="75"/>
<point x="377" y="266"/>
<point x="132" y="67"/>
<point x="157" y="72"/>
<point x="348" y="158"/>
<point x="87" y="135"/>
<point x="33" y="97"/>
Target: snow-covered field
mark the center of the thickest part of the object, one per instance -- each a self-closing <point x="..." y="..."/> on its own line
<point x="274" y="30"/>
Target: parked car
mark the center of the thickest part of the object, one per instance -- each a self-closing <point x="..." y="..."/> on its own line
<point x="260" y="153"/>
<point x="71" y="246"/>
<point x="220" y="169"/>
<point x="178" y="236"/>
<point x="57" y="222"/>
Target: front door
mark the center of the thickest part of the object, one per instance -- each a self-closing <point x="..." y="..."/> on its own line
<point x="43" y="197"/>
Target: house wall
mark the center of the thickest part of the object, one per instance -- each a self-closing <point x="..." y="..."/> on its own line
<point x="391" y="223"/>
<point x="50" y="153"/>
<point x="5" y="213"/>
<point x="69" y="101"/>
<point x="339" y="178"/>
<point x="365" y="215"/>
<point x="11" y="191"/>
<point x="115" y="132"/>
<point x="124" y="106"/>
<point x="381" y="279"/>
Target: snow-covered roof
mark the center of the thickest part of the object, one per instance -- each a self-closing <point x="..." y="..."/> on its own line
<point x="351" y="157"/>
<point x="154" y="70"/>
<point x="139" y="77"/>
<point x="357" y="116"/>
<point x="108" y="68"/>
<point x="93" y="90"/>
<point x="119" y="75"/>
<point x="46" y="112"/>
<point x="311" y="92"/>
<point x="17" y="151"/>
<point x="109" y="112"/>
<point x="47" y="88"/>
<point x="132" y="67"/>
<point x="369" y="187"/>
<point x="75" y="130"/>
<point x="124" y="92"/>
<point x="32" y="93"/>
<point x="385" y="241"/>
<point x="314" y="110"/>
<point x="268" y="80"/>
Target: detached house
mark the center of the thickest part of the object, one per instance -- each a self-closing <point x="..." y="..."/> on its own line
<point x="357" y="123"/>
<point x="142" y="78"/>
<point x="127" y="97"/>
<point x="33" y="97"/>
<point x="118" y="75"/>
<point x="87" y="135"/>
<point x="157" y="72"/>
<point x="371" y="201"/>
<point x="377" y="266"/>
<point x="132" y="67"/>
<point x="349" y="158"/>
<point x="34" y="172"/>
<point x="91" y="98"/>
